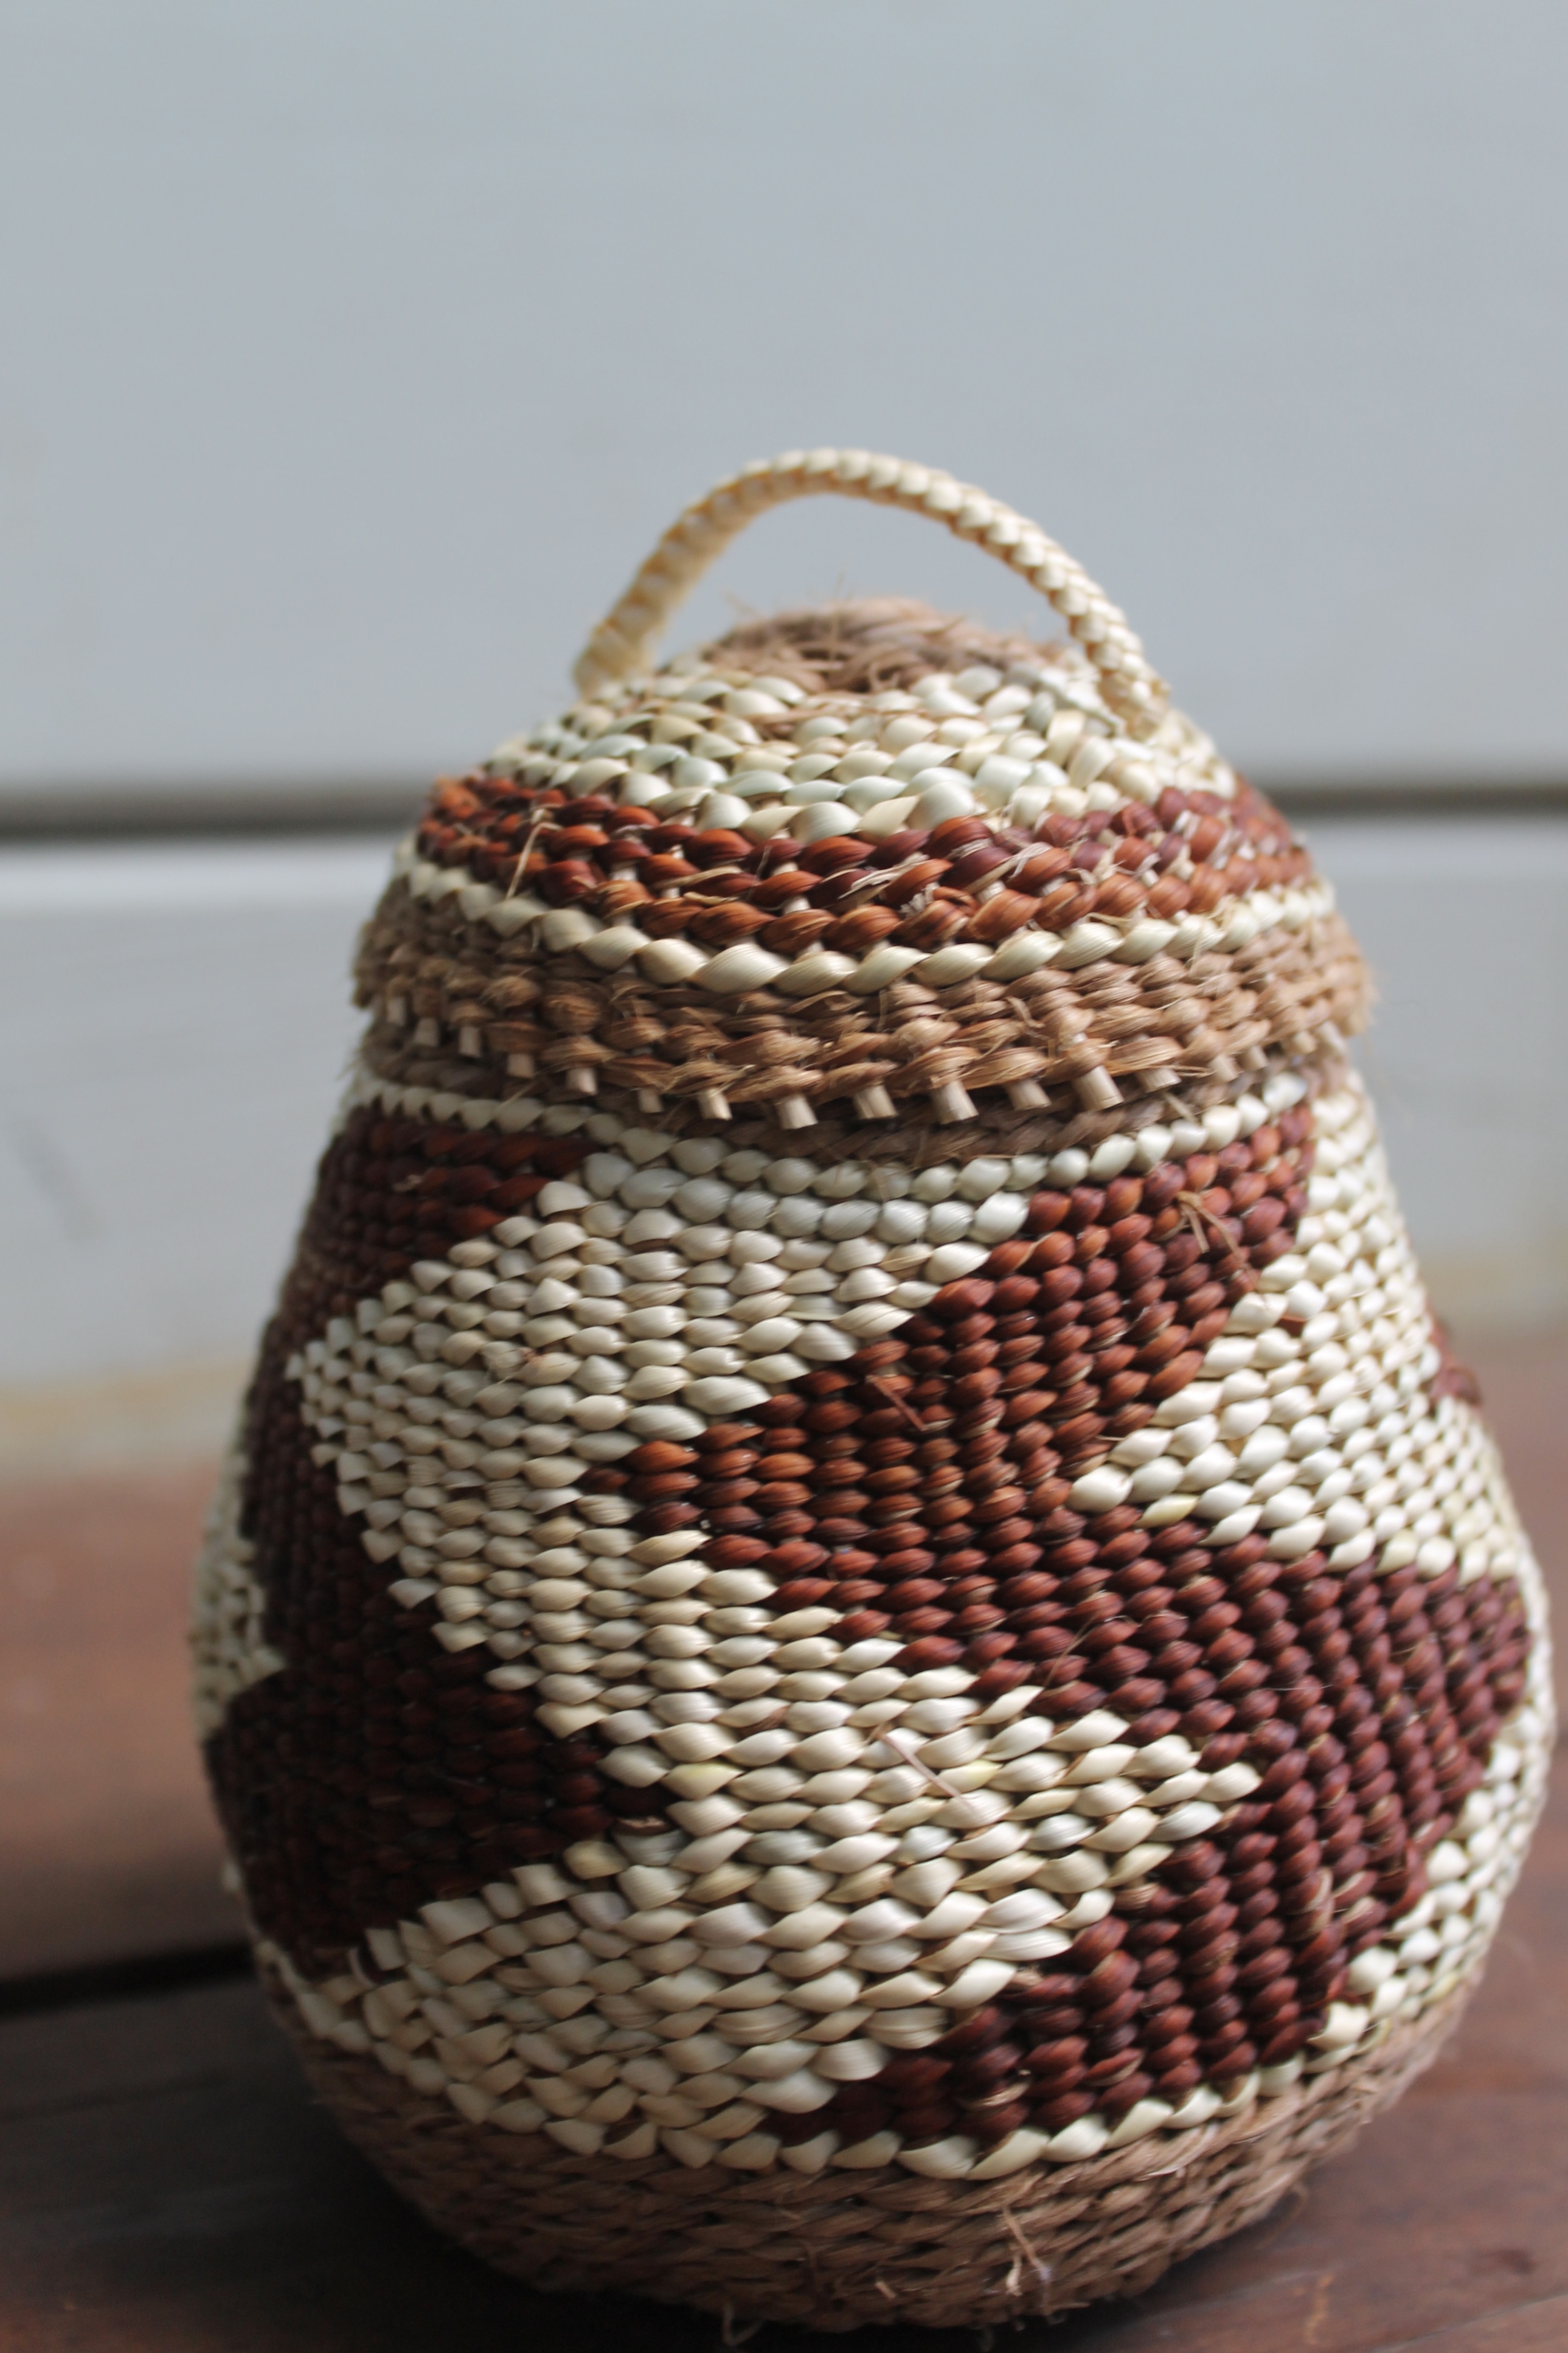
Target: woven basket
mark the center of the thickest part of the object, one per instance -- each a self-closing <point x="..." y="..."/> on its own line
<point x="862" y="1654"/>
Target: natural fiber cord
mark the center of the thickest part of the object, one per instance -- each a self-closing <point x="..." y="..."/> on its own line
<point x="844" y="2250"/>
<point x="863" y="1655"/>
<point x="620" y="643"/>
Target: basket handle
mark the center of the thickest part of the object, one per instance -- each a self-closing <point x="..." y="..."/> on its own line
<point x="622" y="642"/>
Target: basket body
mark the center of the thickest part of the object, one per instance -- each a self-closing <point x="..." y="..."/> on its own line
<point x="863" y="1657"/>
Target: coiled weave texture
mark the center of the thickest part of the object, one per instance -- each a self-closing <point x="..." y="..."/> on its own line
<point x="862" y="1654"/>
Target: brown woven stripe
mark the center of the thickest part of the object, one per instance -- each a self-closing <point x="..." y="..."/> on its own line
<point x="515" y="1014"/>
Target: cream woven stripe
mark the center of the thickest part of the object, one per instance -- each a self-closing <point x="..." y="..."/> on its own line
<point x="621" y="643"/>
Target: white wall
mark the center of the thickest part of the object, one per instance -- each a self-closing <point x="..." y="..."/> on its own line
<point x="1462" y="923"/>
<point x="352" y="354"/>
<point x="174" y="1024"/>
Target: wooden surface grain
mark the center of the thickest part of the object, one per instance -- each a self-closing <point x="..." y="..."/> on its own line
<point x="108" y="1845"/>
<point x="165" y="2180"/>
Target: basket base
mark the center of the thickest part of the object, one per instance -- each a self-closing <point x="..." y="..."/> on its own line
<point x="839" y="2250"/>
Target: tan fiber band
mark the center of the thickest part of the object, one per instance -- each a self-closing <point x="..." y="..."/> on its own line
<point x="621" y="643"/>
<point x="840" y="2251"/>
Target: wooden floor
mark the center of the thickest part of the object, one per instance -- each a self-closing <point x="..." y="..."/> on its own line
<point x="164" y="2180"/>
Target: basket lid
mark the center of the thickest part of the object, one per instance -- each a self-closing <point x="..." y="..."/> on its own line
<point x="862" y="863"/>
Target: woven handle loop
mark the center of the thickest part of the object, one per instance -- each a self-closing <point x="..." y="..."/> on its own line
<point x="622" y="642"/>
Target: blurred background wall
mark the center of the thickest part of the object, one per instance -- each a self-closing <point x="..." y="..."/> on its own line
<point x="352" y="356"/>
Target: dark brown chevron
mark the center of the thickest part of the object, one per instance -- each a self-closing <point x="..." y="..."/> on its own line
<point x="921" y="1491"/>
